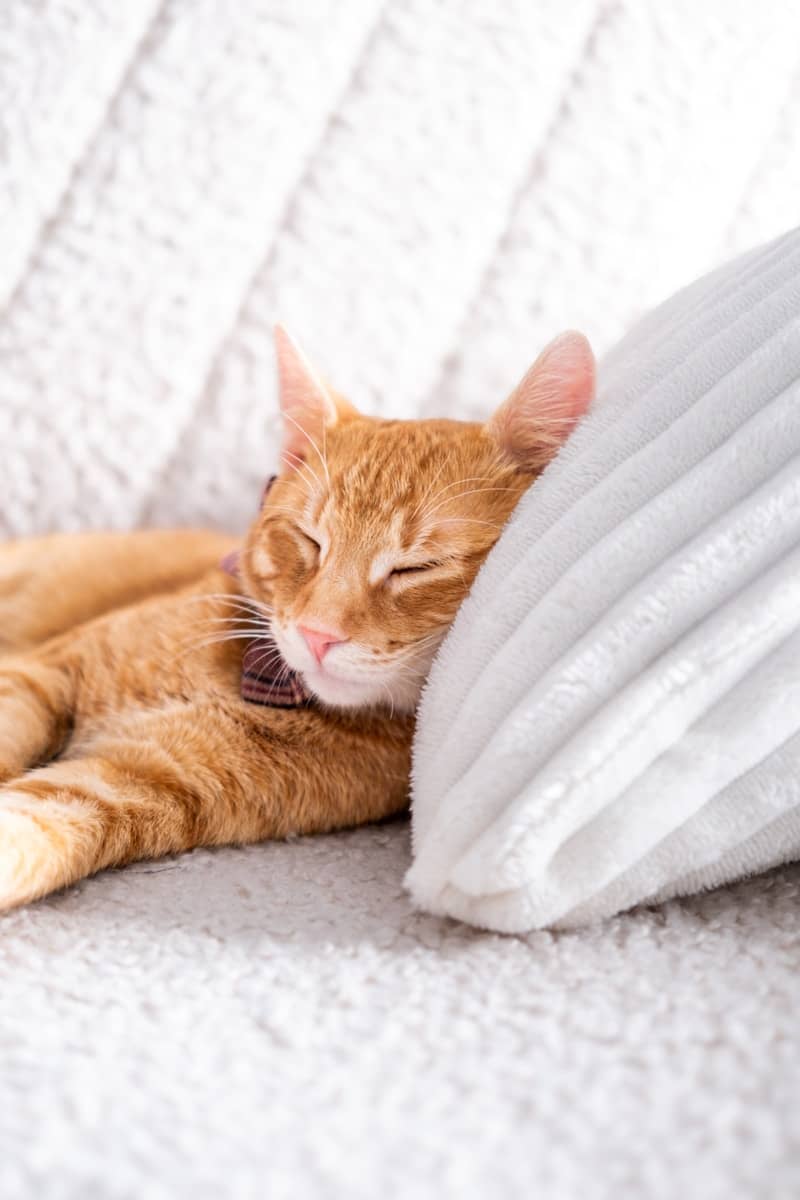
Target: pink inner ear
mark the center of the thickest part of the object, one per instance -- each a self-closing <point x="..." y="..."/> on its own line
<point x="569" y="362"/>
<point x="542" y="410"/>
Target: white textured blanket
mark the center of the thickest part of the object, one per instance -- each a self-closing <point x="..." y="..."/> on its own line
<point x="426" y="193"/>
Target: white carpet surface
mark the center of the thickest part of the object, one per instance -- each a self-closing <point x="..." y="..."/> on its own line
<point x="424" y="194"/>
<point x="276" y="1022"/>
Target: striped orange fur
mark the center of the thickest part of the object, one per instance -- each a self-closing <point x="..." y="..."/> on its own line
<point x="122" y="731"/>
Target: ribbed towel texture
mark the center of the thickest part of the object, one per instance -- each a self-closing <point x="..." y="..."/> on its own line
<point x="615" y="717"/>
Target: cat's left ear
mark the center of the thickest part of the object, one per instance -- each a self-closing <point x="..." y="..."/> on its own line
<point x="541" y="412"/>
<point x="308" y="405"/>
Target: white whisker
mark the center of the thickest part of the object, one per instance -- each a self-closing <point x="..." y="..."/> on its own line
<point x="228" y="636"/>
<point x="458" y="482"/>
<point x="271" y="508"/>
<point x="202" y="643"/>
<point x="313" y="443"/>
<point x="235" y="599"/>
<point x="303" y="463"/>
<point x="244" y="622"/>
<point x="388" y="691"/>
<point x="427" y="493"/>
<point x="460" y="495"/>
<point x="469" y="521"/>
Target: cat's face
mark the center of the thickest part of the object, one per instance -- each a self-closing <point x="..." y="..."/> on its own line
<point x="369" y="539"/>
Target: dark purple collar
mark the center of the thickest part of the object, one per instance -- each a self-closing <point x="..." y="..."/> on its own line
<point x="266" y="676"/>
<point x="268" y="679"/>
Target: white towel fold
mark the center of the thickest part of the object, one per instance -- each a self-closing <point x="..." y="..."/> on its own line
<point x="614" y="716"/>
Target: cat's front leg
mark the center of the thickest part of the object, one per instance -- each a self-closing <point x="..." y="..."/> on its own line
<point x="65" y="821"/>
<point x="35" y="713"/>
<point x="157" y="788"/>
<point x="191" y="775"/>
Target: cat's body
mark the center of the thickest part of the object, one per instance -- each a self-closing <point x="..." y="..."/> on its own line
<point x="155" y="751"/>
<point x="123" y="731"/>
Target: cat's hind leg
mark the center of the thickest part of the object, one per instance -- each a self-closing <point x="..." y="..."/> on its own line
<point x="51" y="584"/>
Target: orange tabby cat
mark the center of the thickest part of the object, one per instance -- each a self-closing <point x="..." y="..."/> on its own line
<point x="125" y="727"/>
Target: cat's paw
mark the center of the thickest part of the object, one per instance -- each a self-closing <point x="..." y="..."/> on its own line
<point x="29" y="865"/>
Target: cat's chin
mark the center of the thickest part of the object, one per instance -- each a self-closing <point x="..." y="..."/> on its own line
<point x="351" y="694"/>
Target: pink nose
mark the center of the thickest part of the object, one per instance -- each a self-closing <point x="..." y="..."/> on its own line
<point x="319" y="641"/>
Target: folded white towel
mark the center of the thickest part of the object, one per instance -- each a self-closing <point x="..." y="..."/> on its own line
<point x="615" y="717"/>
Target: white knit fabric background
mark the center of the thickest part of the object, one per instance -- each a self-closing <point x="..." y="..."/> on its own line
<point x="424" y="193"/>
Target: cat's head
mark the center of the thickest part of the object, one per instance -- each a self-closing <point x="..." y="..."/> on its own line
<point x="372" y="533"/>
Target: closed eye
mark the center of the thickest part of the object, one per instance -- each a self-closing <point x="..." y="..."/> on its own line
<point x="416" y="569"/>
<point x="307" y="537"/>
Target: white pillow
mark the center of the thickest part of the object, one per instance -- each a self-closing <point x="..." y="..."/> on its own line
<point x="615" y="715"/>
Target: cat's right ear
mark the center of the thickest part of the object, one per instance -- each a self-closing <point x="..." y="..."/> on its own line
<point x="308" y="405"/>
<point x="543" y="409"/>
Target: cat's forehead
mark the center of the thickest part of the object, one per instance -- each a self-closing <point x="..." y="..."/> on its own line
<point x="391" y="483"/>
<point x="392" y="457"/>
<point x="385" y="484"/>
